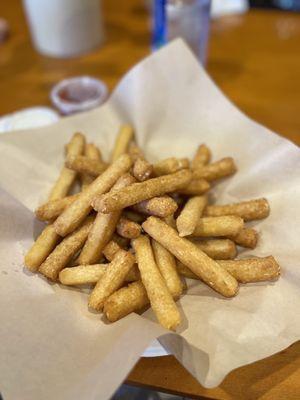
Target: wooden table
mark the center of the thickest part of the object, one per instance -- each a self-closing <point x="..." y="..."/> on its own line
<point x="255" y="60"/>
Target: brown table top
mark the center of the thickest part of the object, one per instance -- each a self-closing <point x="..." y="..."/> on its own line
<point x="255" y="60"/>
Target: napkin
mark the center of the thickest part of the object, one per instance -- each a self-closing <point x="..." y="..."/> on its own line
<point x="51" y="346"/>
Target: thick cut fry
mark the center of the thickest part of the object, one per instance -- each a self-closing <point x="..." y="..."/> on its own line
<point x="67" y="176"/>
<point x="111" y="249"/>
<point x="248" y="210"/>
<point x="72" y="216"/>
<point x="142" y="191"/>
<point x="161" y="206"/>
<point x="170" y="165"/>
<point x="226" y="225"/>
<point x="92" y="152"/>
<point x="202" y="156"/>
<point x="190" y="215"/>
<point x="245" y="271"/>
<point x="125" y="301"/>
<point x="160" y="298"/>
<point x="218" y="249"/>
<point x="190" y="255"/>
<point x="52" y="209"/>
<point x="64" y="252"/>
<point x="41" y="248"/>
<point x="122" y="142"/>
<point x="247" y="237"/>
<point x="216" y="170"/>
<point x="195" y="187"/>
<point x="102" y="229"/>
<point x="134" y="216"/>
<point x="142" y="169"/>
<point x="128" y="229"/>
<point x="167" y="266"/>
<point x="112" y="279"/>
<point x="86" y="165"/>
<point x="86" y="274"/>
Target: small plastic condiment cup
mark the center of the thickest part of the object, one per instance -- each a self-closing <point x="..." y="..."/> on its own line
<point x="78" y="94"/>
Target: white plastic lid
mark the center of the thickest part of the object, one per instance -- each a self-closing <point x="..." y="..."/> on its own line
<point x="78" y="94"/>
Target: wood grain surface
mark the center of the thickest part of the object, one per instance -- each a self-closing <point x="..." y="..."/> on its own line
<point x="255" y="60"/>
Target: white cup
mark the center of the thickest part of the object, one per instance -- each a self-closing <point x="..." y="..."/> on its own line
<point x="64" y="28"/>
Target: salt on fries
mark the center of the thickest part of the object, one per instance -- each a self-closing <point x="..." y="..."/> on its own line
<point x="135" y="230"/>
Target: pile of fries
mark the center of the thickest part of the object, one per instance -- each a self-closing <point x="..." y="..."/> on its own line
<point x="136" y="230"/>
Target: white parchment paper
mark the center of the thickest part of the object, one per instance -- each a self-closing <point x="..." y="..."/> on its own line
<point x="51" y="346"/>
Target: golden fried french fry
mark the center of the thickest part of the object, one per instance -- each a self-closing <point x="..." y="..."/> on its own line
<point x="67" y="176"/>
<point x="142" y="169"/>
<point x="245" y="271"/>
<point x="227" y="225"/>
<point x="218" y="249"/>
<point x="170" y="220"/>
<point x="72" y="216"/>
<point x="111" y="249"/>
<point x="216" y="170"/>
<point x="135" y="151"/>
<point x="92" y="152"/>
<point x="134" y="216"/>
<point x="86" y="274"/>
<point x="142" y="191"/>
<point x="248" y="210"/>
<point x="195" y="188"/>
<point x="247" y="237"/>
<point x="160" y="298"/>
<point x="160" y="206"/>
<point x="64" y="252"/>
<point x="170" y="165"/>
<point x="41" y="248"/>
<point x="121" y="241"/>
<point x="128" y="229"/>
<point x="202" y="157"/>
<point x="190" y="215"/>
<point x="112" y="278"/>
<point x="103" y="228"/>
<point x="122" y="141"/>
<point x="125" y="301"/>
<point x="167" y="266"/>
<point x="52" y="209"/>
<point x="86" y="165"/>
<point x="190" y="255"/>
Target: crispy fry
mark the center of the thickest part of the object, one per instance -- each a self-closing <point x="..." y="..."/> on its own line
<point x="167" y="266"/>
<point x="64" y="252"/>
<point x="86" y="165"/>
<point x="247" y="237"/>
<point x="92" y="152"/>
<point x="102" y="229"/>
<point x="226" y="225"/>
<point x="161" y="206"/>
<point x="125" y="301"/>
<point x="71" y="218"/>
<point x="112" y="278"/>
<point x="41" y="248"/>
<point x="190" y="255"/>
<point x="135" y="151"/>
<point x="121" y="241"/>
<point x="202" y="157"/>
<point x="248" y="210"/>
<point x="52" y="209"/>
<point x="134" y="216"/>
<point x="141" y="191"/>
<point x="216" y="170"/>
<point x="170" y="220"/>
<point x="142" y="169"/>
<point x="170" y="165"/>
<point x="128" y="229"/>
<point x="190" y="214"/>
<point x="85" y="274"/>
<point x="160" y="298"/>
<point x="111" y="249"/>
<point x="218" y="249"/>
<point x="67" y="176"/>
<point x="122" y="141"/>
<point x="245" y="271"/>
<point x="195" y="188"/>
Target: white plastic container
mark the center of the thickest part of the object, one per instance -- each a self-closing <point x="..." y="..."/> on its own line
<point x="64" y="28"/>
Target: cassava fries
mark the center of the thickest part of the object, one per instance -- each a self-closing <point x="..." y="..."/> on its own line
<point x="192" y="211"/>
<point x="247" y="237"/>
<point x="227" y="225"/>
<point x="128" y="229"/>
<point x="202" y="157"/>
<point x="86" y="165"/>
<point x="160" y="206"/>
<point x="195" y="188"/>
<point x="190" y="255"/>
<point x="92" y="152"/>
<point x="218" y="249"/>
<point x="52" y="209"/>
<point x="216" y="170"/>
<point x="170" y="165"/>
<point x="142" y="169"/>
<point x="122" y="142"/>
<point x="111" y="249"/>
